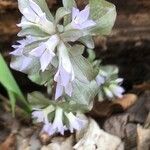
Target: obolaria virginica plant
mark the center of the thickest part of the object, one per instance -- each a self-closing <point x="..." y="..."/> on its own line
<point x="51" y="55"/>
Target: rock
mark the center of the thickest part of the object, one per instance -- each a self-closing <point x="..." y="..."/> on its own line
<point x="60" y="143"/>
<point x="143" y="138"/>
<point x="96" y="139"/>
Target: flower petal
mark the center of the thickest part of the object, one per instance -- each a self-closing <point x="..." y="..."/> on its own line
<point x="75" y="13"/>
<point x="84" y="14"/>
<point x="59" y="91"/>
<point x="46" y="59"/>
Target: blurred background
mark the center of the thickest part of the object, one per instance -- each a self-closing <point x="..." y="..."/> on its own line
<point x="127" y="47"/>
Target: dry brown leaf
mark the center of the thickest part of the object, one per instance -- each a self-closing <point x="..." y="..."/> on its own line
<point x="45" y="138"/>
<point x="144" y="86"/>
<point x="127" y="101"/>
<point x="9" y="143"/>
<point x="107" y="108"/>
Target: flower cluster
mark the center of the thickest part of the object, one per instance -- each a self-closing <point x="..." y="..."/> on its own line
<point x="51" y="45"/>
<point x="109" y="82"/>
<point x="58" y="124"/>
<point x="51" y="55"/>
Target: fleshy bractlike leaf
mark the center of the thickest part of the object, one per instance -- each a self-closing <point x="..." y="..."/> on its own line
<point x="61" y="13"/>
<point x="37" y="101"/>
<point x="104" y="14"/>
<point x="87" y="41"/>
<point x="32" y="31"/>
<point x="82" y="67"/>
<point x="68" y="4"/>
<point x="84" y="92"/>
<point x="71" y="35"/>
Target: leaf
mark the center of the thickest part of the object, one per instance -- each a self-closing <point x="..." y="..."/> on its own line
<point x="61" y="13"/>
<point x="76" y="50"/>
<point x="8" y="81"/>
<point x="33" y="31"/>
<point x="71" y="35"/>
<point x="84" y="93"/>
<point x="41" y="78"/>
<point x="104" y="14"/>
<point x="28" y="65"/>
<point x="38" y="100"/>
<point x="87" y="41"/>
<point x="82" y="67"/>
<point x="22" y="4"/>
<point x="68" y="4"/>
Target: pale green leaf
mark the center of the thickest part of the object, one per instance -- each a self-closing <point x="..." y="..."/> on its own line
<point x="82" y="68"/>
<point x="68" y="4"/>
<point x="60" y="14"/>
<point x="33" y="31"/>
<point x="84" y="93"/>
<point x="104" y="14"/>
<point x="87" y="41"/>
<point x="71" y="35"/>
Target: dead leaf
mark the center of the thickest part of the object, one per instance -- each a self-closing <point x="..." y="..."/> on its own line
<point x="45" y="138"/>
<point x="144" y="86"/>
<point x="127" y="101"/>
<point x="9" y="143"/>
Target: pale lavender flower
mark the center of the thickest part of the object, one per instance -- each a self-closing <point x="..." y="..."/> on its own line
<point x="80" y="19"/>
<point x="45" y="51"/>
<point x="74" y="122"/>
<point x="100" y="80"/>
<point x="58" y="126"/>
<point x="34" y="15"/>
<point x="47" y="128"/>
<point x="40" y="116"/>
<point x="21" y="45"/>
<point x="65" y="74"/>
<point x="23" y="61"/>
<point x="117" y="90"/>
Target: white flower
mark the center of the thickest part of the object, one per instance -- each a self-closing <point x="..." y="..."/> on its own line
<point x="45" y="51"/>
<point x="74" y="122"/>
<point x="80" y="19"/>
<point x="116" y="90"/>
<point x="57" y="126"/>
<point x="33" y="15"/>
<point x="65" y="74"/>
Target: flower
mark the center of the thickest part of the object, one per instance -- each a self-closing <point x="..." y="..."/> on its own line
<point x="100" y="80"/>
<point x="40" y="116"/>
<point x="47" y="128"/>
<point x="74" y="122"/>
<point x="21" y="45"/>
<point x="65" y="74"/>
<point x="80" y="18"/>
<point x="57" y="126"/>
<point x="45" y="51"/>
<point x="22" y="62"/>
<point x="33" y="15"/>
<point x="116" y="90"/>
